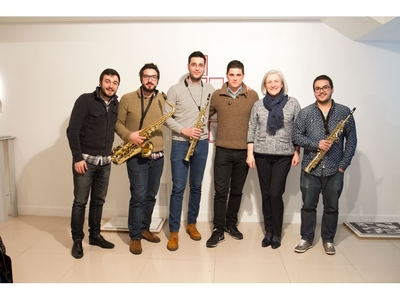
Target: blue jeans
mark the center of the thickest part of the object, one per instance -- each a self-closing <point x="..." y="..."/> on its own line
<point x="180" y="170"/>
<point x="94" y="181"/>
<point x="144" y="177"/>
<point x="230" y="172"/>
<point x="331" y="188"/>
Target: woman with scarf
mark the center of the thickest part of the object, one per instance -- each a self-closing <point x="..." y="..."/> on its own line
<point x="270" y="149"/>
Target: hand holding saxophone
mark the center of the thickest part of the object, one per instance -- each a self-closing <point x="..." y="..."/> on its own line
<point x="136" y="139"/>
<point x="325" y="145"/>
<point x="193" y="133"/>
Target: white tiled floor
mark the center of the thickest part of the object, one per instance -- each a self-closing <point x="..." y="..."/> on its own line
<point x="40" y="251"/>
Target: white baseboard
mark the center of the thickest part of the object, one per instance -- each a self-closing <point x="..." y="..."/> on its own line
<point x="162" y="212"/>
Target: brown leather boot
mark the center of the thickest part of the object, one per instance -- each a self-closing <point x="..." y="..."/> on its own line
<point x="173" y="241"/>
<point x="192" y="231"/>
<point x="135" y="246"/>
<point x="150" y="237"/>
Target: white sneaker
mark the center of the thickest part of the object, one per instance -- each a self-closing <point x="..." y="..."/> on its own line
<point x="302" y="246"/>
<point x="329" y="248"/>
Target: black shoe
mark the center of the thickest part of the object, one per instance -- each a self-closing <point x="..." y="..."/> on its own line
<point x="216" y="238"/>
<point x="234" y="232"/>
<point x="101" y="242"/>
<point x="77" y="250"/>
<point x="266" y="240"/>
<point x="276" y="242"/>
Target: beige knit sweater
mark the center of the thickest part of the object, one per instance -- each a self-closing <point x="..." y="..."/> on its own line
<point x="130" y="113"/>
<point x="232" y="116"/>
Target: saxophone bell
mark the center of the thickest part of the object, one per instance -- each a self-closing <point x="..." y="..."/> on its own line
<point x="187" y="156"/>
<point x="147" y="149"/>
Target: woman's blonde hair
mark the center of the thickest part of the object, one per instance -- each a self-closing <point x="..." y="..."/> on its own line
<point x="280" y="74"/>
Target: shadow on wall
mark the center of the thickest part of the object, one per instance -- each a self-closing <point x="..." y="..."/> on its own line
<point x="357" y="202"/>
<point x="390" y="46"/>
<point x="45" y="185"/>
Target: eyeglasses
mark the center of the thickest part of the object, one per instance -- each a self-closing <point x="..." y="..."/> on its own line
<point x="324" y="88"/>
<point x="152" y="77"/>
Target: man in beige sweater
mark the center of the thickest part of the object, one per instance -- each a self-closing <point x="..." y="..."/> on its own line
<point x="138" y="110"/>
<point x="232" y="103"/>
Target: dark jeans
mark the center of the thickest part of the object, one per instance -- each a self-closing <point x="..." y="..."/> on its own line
<point x="230" y="172"/>
<point x="311" y="187"/>
<point x="94" y="181"/>
<point x="180" y="170"/>
<point x="144" y="177"/>
<point x="272" y="172"/>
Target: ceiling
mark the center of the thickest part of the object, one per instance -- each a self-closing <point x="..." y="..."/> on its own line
<point x="364" y="29"/>
<point x="383" y="29"/>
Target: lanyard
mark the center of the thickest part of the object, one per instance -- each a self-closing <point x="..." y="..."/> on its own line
<point x="144" y="112"/>
<point x="326" y="120"/>
<point x="201" y="95"/>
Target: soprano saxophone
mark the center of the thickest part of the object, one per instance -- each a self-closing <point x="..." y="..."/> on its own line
<point x="126" y="150"/>
<point x="333" y="137"/>
<point x="200" y="124"/>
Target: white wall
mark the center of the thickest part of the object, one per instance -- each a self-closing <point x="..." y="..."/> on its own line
<point x="45" y="67"/>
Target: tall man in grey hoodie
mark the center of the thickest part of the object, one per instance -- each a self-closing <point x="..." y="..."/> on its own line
<point x="189" y="97"/>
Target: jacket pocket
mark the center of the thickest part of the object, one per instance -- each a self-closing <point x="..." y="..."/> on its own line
<point x="95" y="115"/>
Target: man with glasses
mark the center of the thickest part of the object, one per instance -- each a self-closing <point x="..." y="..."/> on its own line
<point x="136" y="111"/>
<point x="189" y="97"/>
<point x="313" y="125"/>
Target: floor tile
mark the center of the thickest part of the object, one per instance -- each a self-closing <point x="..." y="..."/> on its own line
<point x="322" y="273"/>
<point x="41" y="267"/>
<point x="40" y="249"/>
<point x="379" y="274"/>
<point x="177" y="271"/>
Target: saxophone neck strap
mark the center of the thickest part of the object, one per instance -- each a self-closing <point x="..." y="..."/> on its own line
<point x="326" y="120"/>
<point x="201" y="95"/>
<point x="144" y="111"/>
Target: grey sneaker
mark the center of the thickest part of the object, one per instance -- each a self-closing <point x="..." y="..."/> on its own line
<point x="329" y="248"/>
<point x="302" y="246"/>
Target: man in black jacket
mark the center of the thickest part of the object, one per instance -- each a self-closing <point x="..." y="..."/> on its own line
<point x="91" y="135"/>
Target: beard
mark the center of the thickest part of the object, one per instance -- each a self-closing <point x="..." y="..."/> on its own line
<point x="106" y="93"/>
<point x="148" y="89"/>
<point x="327" y="98"/>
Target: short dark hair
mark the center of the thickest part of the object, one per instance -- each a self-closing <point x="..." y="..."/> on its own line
<point x="235" y="64"/>
<point x="149" y="66"/>
<point x="323" y="77"/>
<point x="197" y="54"/>
<point x="111" y="72"/>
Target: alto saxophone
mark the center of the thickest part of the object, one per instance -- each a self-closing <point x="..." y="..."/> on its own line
<point x="126" y="150"/>
<point x="200" y="124"/>
<point x="333" y="137"/>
